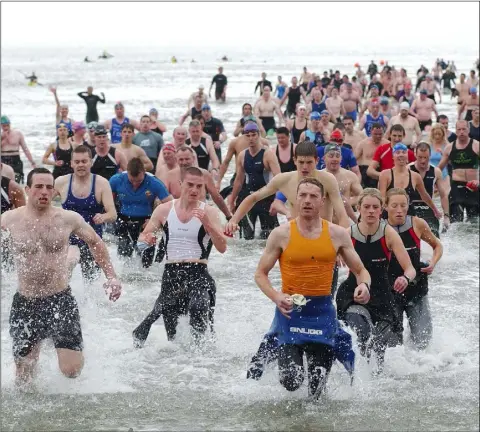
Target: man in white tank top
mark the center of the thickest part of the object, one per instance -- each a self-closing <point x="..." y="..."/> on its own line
<point x="190" y="229"/>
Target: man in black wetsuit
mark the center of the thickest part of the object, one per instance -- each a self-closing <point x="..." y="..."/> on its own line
<point x="262" y="83"/>
<point x="91" y="100"/>
<point x="293" y="93"/>
<point x="221" y="82"/>
<point x="214" y="128"/>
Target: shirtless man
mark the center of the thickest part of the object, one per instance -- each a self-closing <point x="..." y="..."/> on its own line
<point x="352" y="136"/>
<point x="431" y="87"/>
<point x="348" y="181"/>
<point x="351" y="101"/>
<point x="462" y="90"/>
<point x="470" y="103"/>
<point x="335" y="106"/>
<point x="12" y="140"/>
<point x="422" y="109"/>
<point x="409" y="123"/>
<point x="399" y="86"/>
<point x="44" y="306"/>
<point x="472" y="81"/>
<point x="306" y="160"/>
<point x="365" y="151"/>
<point x="374" y="96"/>
<point x="130" y="150"/>
<point x="114" y="125"/>
<point x="173" y="179"/>
<point x="264" y="109"/>
<point x="305" y="78"/>
<point x="170" y="161"/>
<point x="7" y="171"/>
<point x="200" y="93"/>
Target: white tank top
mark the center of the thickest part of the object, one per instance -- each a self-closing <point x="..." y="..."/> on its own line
<point x="186" y="241"/>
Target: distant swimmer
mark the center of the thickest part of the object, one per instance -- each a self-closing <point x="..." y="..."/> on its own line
<point x="224" y="58"/>
<point x="44" y="306"/>
<point x="220" y="81"/>
<point x="87" y="60"/>
<point x="173" y="59"/>
<point x="91" y="100"/>
<point x="105" y="55"/>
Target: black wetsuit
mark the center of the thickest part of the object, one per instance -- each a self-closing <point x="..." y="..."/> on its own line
<point x="262" y="84"/>
<point x="15" y="162"/>
<point x="460" y="197"/>
<point x="105" y="166"/>
<point x="194" y="112"/>
<point x="255" y="179"/>
<point x="214" y="127"/>
<point x="293" y="98"/>
<point x="474" y="131"/>
<point x="376" y="323"/>
<point x="91" y="101"/>
<point x="297" y="133"/>
<point x="66" y="157"/>
<point x="421" y="209"/>
<point x="286" y="166"/>
<point x="410" y="190"/>
<point x="201" y="150"/>
<point x="221" y="82"/>
<point x="414" y="299"/>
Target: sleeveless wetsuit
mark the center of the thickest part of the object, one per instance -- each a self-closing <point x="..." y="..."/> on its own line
<point x="296" y="133"/>
<point x="293" y="97"/>
<point x="201" y="150"/>
<point x="256" y="177"/>
<point x="66" y="157"/>
<point x="410" y="190"/>
<point x="474" y="132"/>
<point x="286" y="166"/>
<point x="105" y="166"/>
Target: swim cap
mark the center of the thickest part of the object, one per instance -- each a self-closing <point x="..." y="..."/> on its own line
<point x="315" y="116"/>
<point x="404" y="106"/>
<point x="337" y="135"/>
<point x="384" y="100"/>
<point x="250" y="127"/>
<point x="206" y="107"/>
<point x="100" y="130"/>
<point x="153" y="111"/>
<point x="119" y="105"/>
<point x="399" y="146"/>
<point x="299" y="107"/>
<point x="325" y="112"/>
<point x="78" y="125"/>
<point x="473" y="90"/>
<point x="5" y="120"/>
<point x="374" y="87"/>
<point x="92" y="125"/>
<point x="423" y="91"/>
<point x="332" y="147"/>
<point x="169" y="147"/>
<point x="62" y="124"/>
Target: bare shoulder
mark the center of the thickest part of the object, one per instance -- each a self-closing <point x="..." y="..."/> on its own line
<point x="337" y="232"/>
<point x="70" y="217"/>
<point x="350" y="175"/>
<point x="327" y="179"/>
<point x="62" y="181"/>
<point x="280" y="236"/>
<point x="11" y="216"/>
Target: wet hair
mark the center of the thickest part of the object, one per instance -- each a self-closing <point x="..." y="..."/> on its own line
<point x="339" y="126"/>
<point x="194" y="171"/>
<point x="83" y="149"/>
<point x="423" y="146"/>
<point x="194" y="123"/>
<point x="130" y="126"/>
<point x="246" y="104"/>
<point x="34" y="171"/>
<point x="370" y="192"/>
<point x="145" y="116"/>
<point x="394" y="192"/>
<point x="347" y="117"/>
<point x="185" y="148"/>
<point x="313" y="181"/>
<point x="377" y="125"/>
<point x="441" y="117"/>
<point x="199" y="117"/>
<point x="398" y="128"/>
<point x="283" y="131"/>
<point x="306" y="149"/>
<point x="135" y="167"/>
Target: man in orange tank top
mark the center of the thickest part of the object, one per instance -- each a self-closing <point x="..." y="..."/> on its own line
<point x="305" y="318"/>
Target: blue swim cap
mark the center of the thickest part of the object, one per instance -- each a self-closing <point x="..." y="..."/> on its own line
<point x="399" y="146"/>
<point x="473" y="90"/>
<point x="153" y="111"/>
<point x="325" y="112"/>
<point x="315" y="116"/>
<point x="205" y="107"/>
<point x="250" y="127"/>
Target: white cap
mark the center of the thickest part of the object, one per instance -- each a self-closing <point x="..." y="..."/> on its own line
<point x="404" y="106"/>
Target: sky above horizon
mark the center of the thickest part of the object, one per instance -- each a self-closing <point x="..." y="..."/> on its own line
<point x="192" y="24"/>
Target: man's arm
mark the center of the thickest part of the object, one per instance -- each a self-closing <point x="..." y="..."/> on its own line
<point x="226" y="161"/>
<point x="445" y="156"/>
<point x="102" y="99"/>
<point x="216" y="197"/>
<point x="26" y="150"/>
<point x="426" y="198"/>
<point x="355" y="190"/>
<point x="333" y="192"/>
<point x="154" y="224"/>
<point x="211" y="223"/>
<point x="147" y="163"/>
<point x="383" y="181"/>
<point x="413" y="109"/>
<point x="83" y="95"/>
<point x="443" y="192"/>
<point x="121" y="160"/>
<point x="183" y="118"/>
<point x="238" y="129"/>
<point x="284" y="98"/>
<point x="17" y="197"/>
<point x="213" y="155"/>
<point x="372" y="170"/>
<point x="239" y="179"/>
<point x="272" y="164"/>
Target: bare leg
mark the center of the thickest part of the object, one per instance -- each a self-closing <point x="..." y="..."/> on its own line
<point x="26" y="367"/>
<point x="73" y="258"/>
<point x="70" y="362"/>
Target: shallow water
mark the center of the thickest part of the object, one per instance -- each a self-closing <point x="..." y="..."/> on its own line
<point x="172" y="386"/>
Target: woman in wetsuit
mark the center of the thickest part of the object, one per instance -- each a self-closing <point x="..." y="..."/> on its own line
<point x="61" y="150"/>
<point x="375" y="323"/>
<point x="400" y="176"/>
<point x="413" y="301"/>
<point x="156" y="125"/>
<point x="299" y="124"/>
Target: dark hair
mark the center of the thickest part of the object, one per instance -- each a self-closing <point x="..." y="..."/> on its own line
<point x="347" y="117"/>
<point x="185" y="147"/>
<point x="377" y="125"/>
<point x="245" y="104"/>
<point x="82" y="148"/>
<point x="145" y="116"/>
<point x="398" y="128"/>
<point x="306" y="149"/>
<point x="194" y="171"/>
<point x="34" y="171"/>
<point x="339" y="126"/>
<point x="441" y="117"/>
<point x="194" y="123"/>
<point x="198" y="117"/>
<point x="135" y="167"/>
<point x="130" y="126"/>
<point x="283" y="130"/>
<point x="313" y="181"/>
<point x="423" y="146"/>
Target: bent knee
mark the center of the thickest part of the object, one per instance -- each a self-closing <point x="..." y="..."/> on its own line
<point x="291" y="383"/>
<point x="71" y="371"/>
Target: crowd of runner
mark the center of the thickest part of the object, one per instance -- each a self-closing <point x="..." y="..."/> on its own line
<point x="363" y="168"/>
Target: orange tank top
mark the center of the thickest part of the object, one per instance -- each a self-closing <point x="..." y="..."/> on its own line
<point x="306" y="265"/>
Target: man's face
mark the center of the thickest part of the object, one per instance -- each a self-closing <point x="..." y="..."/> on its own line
<point x="252" y="138"/>
<point x="81" y="164"/>
<point x="145" y="124"/>
<point x="306" y="165"/>
<point x="332" y="160"/>
<point x="137" y="180"/>
<point x="395" y="136"/>
<point x="6" y="128"/>
<point x="283" y="140"/>
<point x="195" y="133"/>
<point x="370" y="209"/>
<point x="101" y="140"/>
<point x="423" y="158"/>
<point x="377" y="135"/>
<point x="89" y="90"/>
<point x="374" y="92"/>
<point x="180" y="135"/>
<point x="42" y="190"/>
<point x="206" y="114"/>
<point x="444" y="123"/>
<point x="476" y="115"/>
<point x="334" y="92"/>
<point x="462" y="129"/>
<point x="404" y="113"/>
<point x="198" y="100"/>
<point x="309" y="201"/>
<point x="119" y="111"/>
<point x="185" y="159"/>
<point x="348" y="125"/>
<point x="127" y="134"/>
<point x="193" y="187"/>
<point x="168" y="156"/>
<point x="63" y="111"/>
<point x="375" y="108"/>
